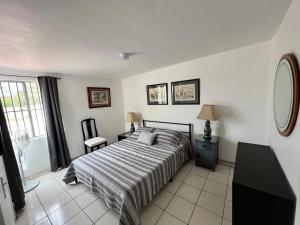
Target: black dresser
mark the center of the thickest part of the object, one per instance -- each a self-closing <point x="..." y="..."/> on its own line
<point x="261" y="193"/>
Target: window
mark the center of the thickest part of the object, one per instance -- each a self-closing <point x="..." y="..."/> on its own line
<point x="22" y="107"/>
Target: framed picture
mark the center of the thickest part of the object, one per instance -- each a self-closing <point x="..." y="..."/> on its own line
<point x="157" y="94"/>
<point x="186" y="92"/>
<point x="99" y="97"/>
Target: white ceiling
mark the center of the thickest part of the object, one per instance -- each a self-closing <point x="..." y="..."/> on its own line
<point x="84" y="37"/>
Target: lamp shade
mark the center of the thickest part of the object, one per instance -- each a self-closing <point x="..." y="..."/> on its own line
<point x="131" y="117"/>
<point x="208" y="112"/>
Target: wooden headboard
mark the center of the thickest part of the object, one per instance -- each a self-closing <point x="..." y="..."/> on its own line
<point x="189" y="125"/>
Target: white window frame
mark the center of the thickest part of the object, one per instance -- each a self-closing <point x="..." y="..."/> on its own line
<point x="29" y="108"/>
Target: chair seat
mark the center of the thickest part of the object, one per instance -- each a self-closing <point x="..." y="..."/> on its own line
<point x="95" y="141"/>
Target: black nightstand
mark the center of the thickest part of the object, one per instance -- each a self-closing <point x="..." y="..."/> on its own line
<point x="124" y="135"/>
<point x="206" y="152"/>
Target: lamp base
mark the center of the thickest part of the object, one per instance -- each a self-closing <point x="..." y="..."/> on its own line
<point x="132" y="128"/>
<point x="207" y="130"/>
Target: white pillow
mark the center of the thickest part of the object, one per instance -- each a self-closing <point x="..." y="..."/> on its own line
<point x="146" y="138"/>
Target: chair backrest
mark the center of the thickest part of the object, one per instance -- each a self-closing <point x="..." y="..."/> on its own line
<point x="89" y="129"/>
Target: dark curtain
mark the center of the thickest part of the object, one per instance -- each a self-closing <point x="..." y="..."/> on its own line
<point x="58" y="148"/>
<point x="11" y="166"/>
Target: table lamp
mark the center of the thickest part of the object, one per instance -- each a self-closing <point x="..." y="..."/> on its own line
<point x="208" y="113"/>
<point x="130" y="118"/>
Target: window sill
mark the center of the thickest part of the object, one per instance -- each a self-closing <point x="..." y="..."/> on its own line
<point x="39" y="137"/>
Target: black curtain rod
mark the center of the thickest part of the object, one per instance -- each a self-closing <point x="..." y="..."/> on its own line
<point x="10" y="75"/>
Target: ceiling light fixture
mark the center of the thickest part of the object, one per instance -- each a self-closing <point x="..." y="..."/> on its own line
<point x="124" y="55"/>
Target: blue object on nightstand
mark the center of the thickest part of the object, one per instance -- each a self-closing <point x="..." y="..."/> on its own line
<point x="206" y="151"/>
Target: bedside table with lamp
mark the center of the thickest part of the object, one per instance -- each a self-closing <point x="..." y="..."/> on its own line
<point x="130" y="118"/>
<point x="206" y="151"/>
<point x="124" y="135"/>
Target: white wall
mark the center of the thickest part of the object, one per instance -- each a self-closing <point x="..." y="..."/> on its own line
<point x="286" y="40"/>
<point x="74" y="107"/>
<point x="236" y="81"/>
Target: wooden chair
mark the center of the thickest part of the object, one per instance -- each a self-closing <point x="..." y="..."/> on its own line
<point x="90" y="135"/>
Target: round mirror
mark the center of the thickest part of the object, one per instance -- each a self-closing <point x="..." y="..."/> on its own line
<point x="286" y="94"/>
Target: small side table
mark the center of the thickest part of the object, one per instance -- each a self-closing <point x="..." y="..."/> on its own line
<point x="206" y="151"/>
<point x="124" y="135"/>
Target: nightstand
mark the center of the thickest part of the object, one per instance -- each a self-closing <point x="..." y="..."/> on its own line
<point x="124" y="135"/>
<point x="206" y="151"/>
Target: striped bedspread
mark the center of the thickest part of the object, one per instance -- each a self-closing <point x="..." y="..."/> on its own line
<point x="128" y="174"/>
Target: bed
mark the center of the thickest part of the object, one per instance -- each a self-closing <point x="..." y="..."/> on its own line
<point x="128" y="174"/>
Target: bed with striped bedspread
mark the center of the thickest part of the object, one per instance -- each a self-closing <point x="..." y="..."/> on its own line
<point x="128" y="174"/>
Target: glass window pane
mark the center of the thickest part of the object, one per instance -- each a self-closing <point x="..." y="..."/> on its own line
<point x="29" y="92"/>
<point x="14" y="95"/>
<point x="41" y="122"/>
<point x="8" y="124"/>
<point x="20" y="121"/>
<point x="22" y="96"/>
<point x="35" y="123"/>
<point x="7" y="102"/>
<point x="27" y="123"/>
<point x="2" y="100"/>
<point x="13" y="123"/>
<point x="36" y="97"/>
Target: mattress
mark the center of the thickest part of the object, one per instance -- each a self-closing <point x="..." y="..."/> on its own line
<point x="128" y="174"/>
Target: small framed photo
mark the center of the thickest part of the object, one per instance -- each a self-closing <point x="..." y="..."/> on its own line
<point x="99" y="97"/>
<point x="186" y="92"/>
<point x="157" y="94"/>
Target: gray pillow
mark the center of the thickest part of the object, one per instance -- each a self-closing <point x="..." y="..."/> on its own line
<point x="168" y="137"/>
<point x="134" y="136"/>
<point x="146" y="138"/>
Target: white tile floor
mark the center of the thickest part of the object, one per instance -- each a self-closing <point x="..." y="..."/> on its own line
<point x="196" y="196"/>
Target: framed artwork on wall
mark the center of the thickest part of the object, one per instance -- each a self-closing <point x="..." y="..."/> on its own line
<point x="99" y="97"/>
<point x="186" y="92"/>
<point x="157" y="94"/>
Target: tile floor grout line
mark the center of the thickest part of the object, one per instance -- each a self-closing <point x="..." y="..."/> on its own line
<point x="81" y="210"/>
<point x="197" y="201"/>
<point x="225" y="201"/>
<point x="194" y="186"/>
<point x="72" y="200"/>
<point x="164" y="210"/>
<point x="214" y="195"/>
<point x="100" y="217"/>
<point x="210" y="178"/>
<point x="41" y="203"/>
<point x="43" y="209"/>
<point x="170" y="202"/>
<point x="210" y="211"/>
<point x="181" y="182"/>
<point x="159" y="217"/>
<point x="66" y="192"/>
<point x="60" y="206"/>
<point x="195" y="204"/>
<point x="202" y="190"/>
<point x="187" y="199"/>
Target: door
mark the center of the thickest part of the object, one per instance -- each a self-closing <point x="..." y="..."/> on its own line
<point x="6" y="209"/>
